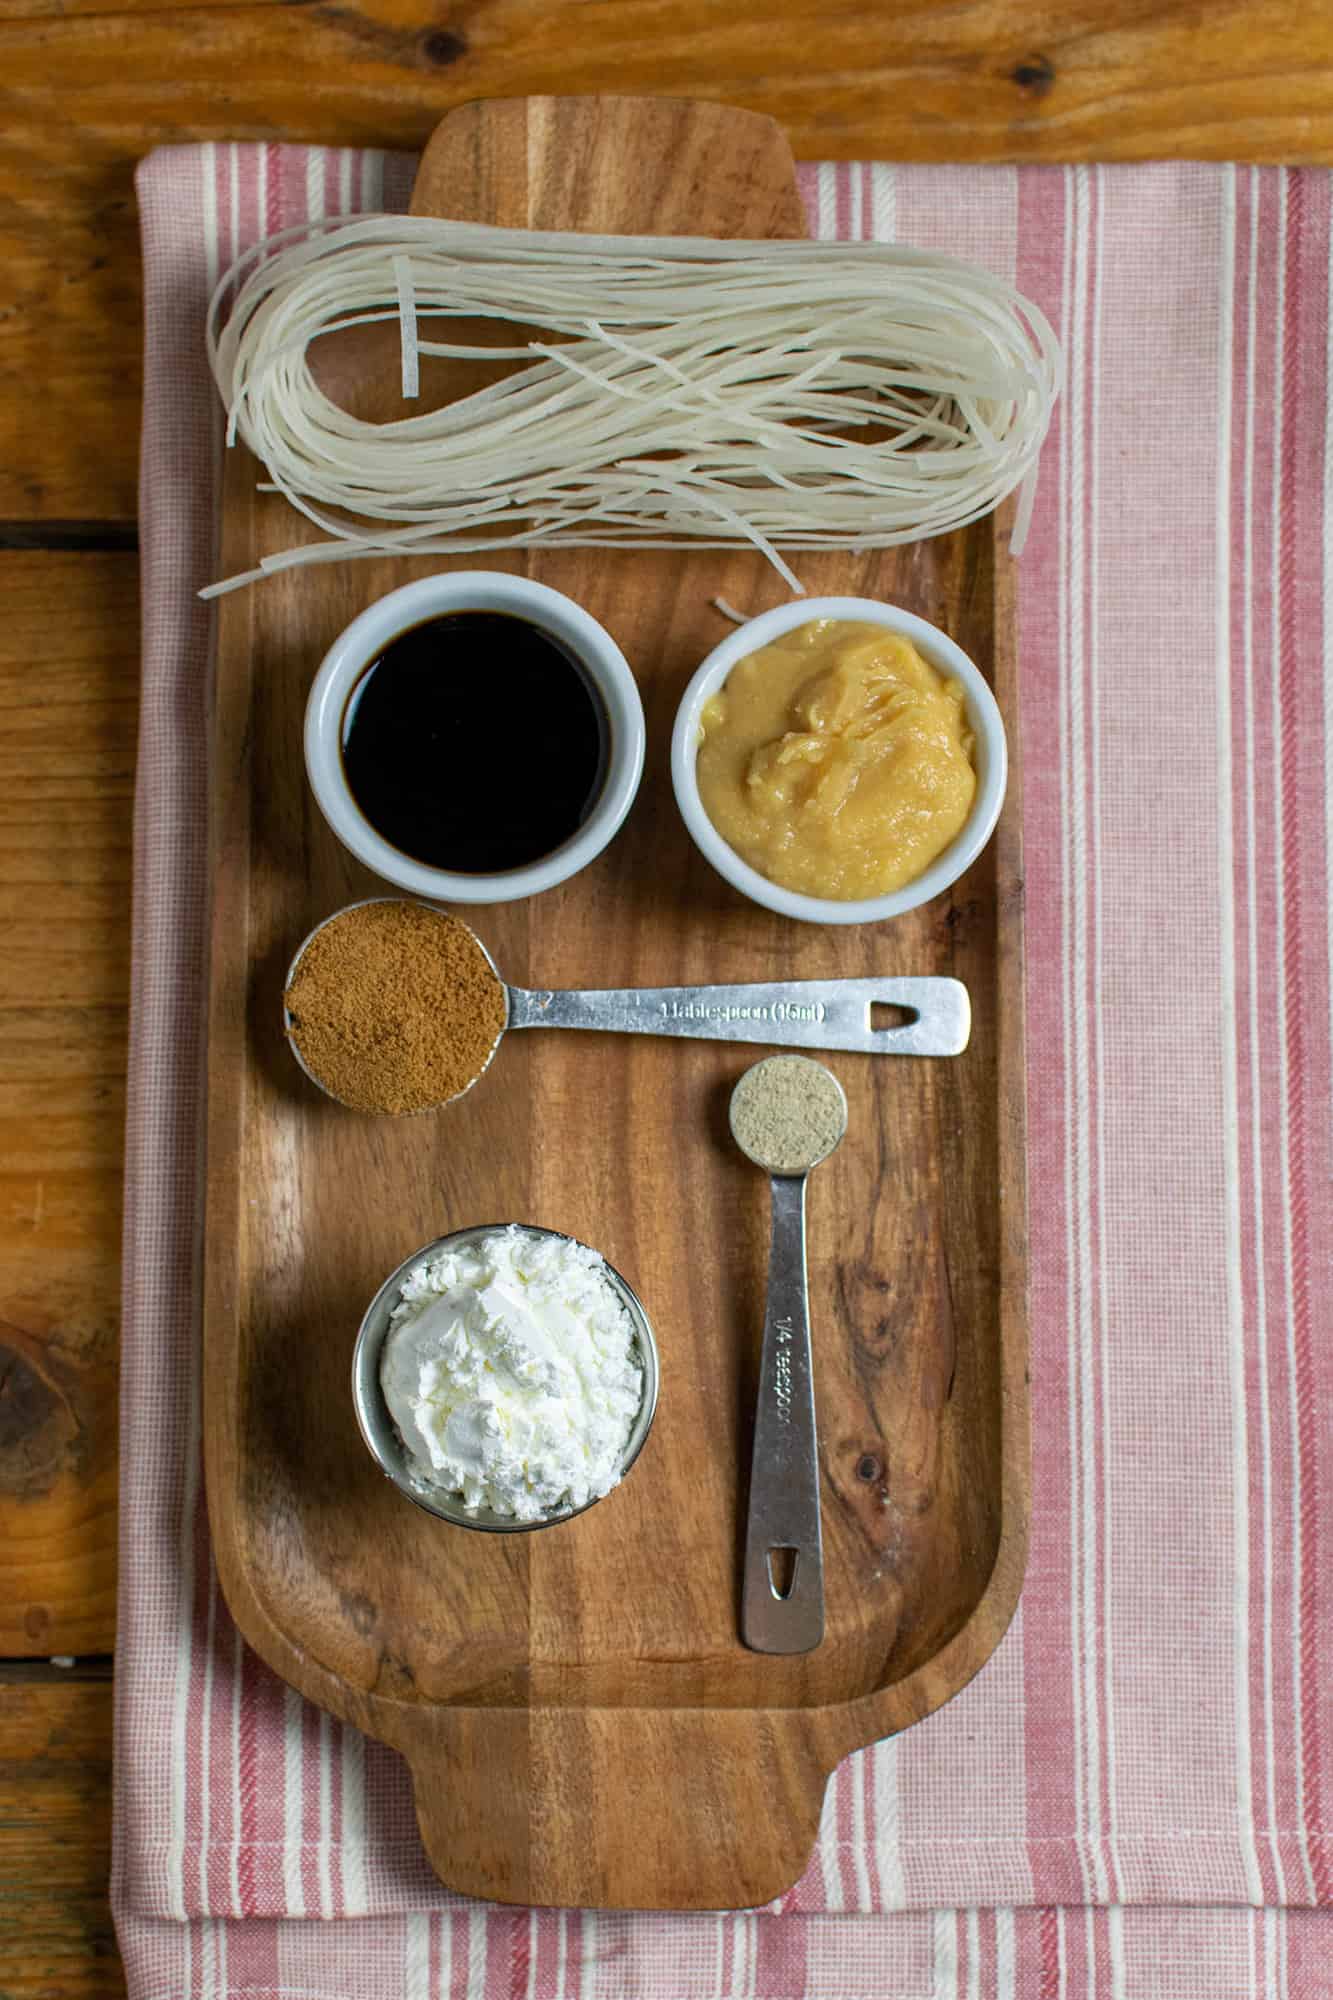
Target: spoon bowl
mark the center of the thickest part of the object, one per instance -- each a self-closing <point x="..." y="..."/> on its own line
<point x="289" y="1024"/>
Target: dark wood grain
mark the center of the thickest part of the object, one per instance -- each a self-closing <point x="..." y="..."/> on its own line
<point x="564" y="1658"/>
<point x="68" y="661"/>
<point x="56" y="1938"/>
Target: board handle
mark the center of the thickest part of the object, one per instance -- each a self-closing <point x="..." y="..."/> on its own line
<point x="658" y="1809"/>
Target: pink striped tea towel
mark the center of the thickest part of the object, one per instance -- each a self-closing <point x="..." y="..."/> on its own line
<point x="1156" y="1731"/>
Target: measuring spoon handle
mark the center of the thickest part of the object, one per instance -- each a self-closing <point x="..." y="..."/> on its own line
<point x="782" y="1584"/>
<point x="793" y="1013"/>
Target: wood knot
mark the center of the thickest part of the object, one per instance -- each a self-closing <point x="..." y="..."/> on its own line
<point x="360" y="1612"/>
<point x="38" y="1430"/>
<point x="964" y="919"/>
<point x="869" y="1468"/>
<point x="442" y="47"/>
<point x="1034" y="75"/>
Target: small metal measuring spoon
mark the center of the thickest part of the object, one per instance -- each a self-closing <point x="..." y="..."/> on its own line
<point x="792" y="1013"/>
<point x="787" y="1114"/>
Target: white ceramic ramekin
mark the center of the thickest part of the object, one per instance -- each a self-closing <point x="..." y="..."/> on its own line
<point x="474" y="590"/>
<point x="942" y="652"/>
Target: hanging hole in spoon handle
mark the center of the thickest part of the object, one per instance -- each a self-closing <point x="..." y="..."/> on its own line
<point x="782" y="1570"/>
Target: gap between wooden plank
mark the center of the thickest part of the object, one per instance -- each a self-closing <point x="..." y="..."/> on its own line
<point x="76" y="537"/>
<point x="93" y="1667"/>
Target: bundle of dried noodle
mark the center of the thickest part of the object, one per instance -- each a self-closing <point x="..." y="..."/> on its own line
<point x="692" y="393"/>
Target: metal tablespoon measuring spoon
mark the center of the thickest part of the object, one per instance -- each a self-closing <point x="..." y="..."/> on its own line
<point x="794" y="1013"/>
<point x="787" y="1114"/>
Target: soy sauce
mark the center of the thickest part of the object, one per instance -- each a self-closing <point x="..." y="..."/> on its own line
<point x="475" y="743"/>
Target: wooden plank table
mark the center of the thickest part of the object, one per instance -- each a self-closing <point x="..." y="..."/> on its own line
<point x="86" y="91"/>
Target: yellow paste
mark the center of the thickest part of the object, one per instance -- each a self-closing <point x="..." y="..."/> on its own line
<point x="837" y="761"/>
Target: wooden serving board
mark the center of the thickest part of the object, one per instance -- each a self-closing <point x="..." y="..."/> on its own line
<point x="582" y="1721"/>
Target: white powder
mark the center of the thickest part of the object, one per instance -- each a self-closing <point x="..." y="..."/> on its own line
<point x="512" y="1372"/>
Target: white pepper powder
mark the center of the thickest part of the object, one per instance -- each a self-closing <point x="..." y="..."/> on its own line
<point x="788" y="1113"/>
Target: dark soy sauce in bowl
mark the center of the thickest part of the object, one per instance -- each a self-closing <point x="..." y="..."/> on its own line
<point x="475" y="743"/>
